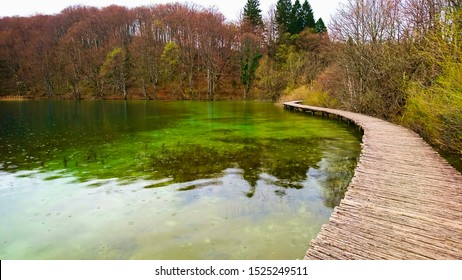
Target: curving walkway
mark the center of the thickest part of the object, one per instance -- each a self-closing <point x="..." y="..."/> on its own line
<point x="404" y="201"/>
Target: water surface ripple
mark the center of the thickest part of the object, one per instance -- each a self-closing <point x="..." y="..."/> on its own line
<point x="167" y="180"/>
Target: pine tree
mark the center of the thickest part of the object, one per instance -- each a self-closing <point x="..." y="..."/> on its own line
<point x="252" y="13"/>
<point x="320" y="26"/>
<point x="296" y="18"/>
<point x="250" y="58"/>
<point x="308" y="16"/>
<point x="283" y="12"/>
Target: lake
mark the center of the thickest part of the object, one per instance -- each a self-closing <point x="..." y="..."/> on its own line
<point x="167" y="180"/>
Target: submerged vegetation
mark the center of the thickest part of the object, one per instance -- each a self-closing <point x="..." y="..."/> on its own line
<point x="172" y="143"/>
<point x="254" y="156"/>
<point x="396" y="60"/>
<point x="192" y="180"/>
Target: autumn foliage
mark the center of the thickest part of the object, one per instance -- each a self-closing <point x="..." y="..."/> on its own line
<point x="399" y="60"/>
<point x="172" y="51"/>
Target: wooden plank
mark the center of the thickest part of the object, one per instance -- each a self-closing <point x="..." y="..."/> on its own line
<point x="404" y="200"/>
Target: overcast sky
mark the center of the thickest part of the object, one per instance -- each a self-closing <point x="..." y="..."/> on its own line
<point x="230" y="8"/>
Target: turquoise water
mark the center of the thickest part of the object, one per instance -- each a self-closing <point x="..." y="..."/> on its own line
<point x="167" y="180"/>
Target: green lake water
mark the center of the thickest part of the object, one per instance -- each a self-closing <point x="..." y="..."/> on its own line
<point x="167" y="180"/>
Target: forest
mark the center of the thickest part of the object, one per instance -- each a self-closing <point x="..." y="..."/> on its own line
<point x="173" y="51"/>
<point x="400" y="60"/>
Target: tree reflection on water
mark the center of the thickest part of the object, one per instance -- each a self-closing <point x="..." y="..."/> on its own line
<point x="287" y="160"/>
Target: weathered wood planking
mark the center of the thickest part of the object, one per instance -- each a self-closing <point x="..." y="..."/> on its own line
<point x="404" y="201"/>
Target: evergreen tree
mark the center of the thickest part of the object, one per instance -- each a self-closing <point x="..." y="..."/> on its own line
<point x="320" y="26"/>
<point x="283" y="13"/>
<point x="308" y="16"/>
<point x="296" y="18"/>
<point x="249" y="63"/>
<point x="252" y="13"/>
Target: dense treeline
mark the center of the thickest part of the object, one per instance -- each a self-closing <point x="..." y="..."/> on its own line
<point x="298" y="49"/>
<point x="400" y="60"/>
<point x="117" y="52"/>
<point x="173" y="51"/>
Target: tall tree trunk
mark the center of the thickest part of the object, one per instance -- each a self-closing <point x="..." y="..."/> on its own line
<point x="48" y="86"/>
<point x="144" y="88"/>
<point x="75" y="85"/>
<point x="154" y="85"/>
<point x="123" y="84"/>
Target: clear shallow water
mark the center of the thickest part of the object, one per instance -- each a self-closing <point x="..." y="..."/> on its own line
<point x="167" y="180"/>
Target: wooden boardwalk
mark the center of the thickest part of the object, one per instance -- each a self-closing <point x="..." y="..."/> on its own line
<point x="404" y="201"/>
